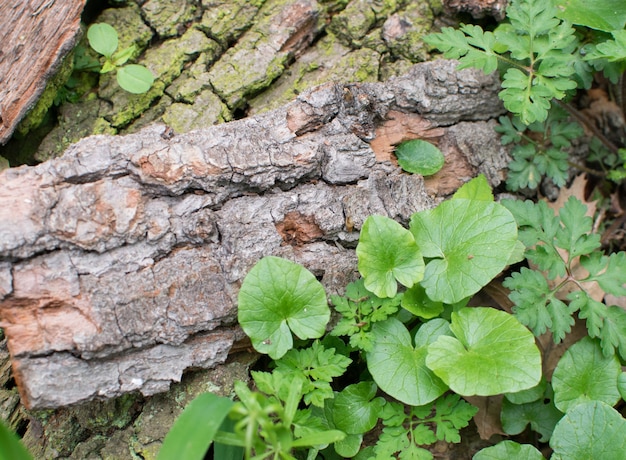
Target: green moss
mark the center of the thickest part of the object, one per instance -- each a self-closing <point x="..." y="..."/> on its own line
<point x="226" y="20"/>
<point x="37" y="114"/>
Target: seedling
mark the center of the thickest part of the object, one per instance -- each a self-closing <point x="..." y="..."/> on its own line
<point x="133" y="78"/>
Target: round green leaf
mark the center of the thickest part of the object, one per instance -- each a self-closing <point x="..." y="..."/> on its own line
<point x="541" y="414"/>
<point x="102" y="38"/>
<point x="387" y="255"/>
<point x="584" y="374"/>
<point x="469" y="242"/>
<point x="421" y="157"/>
<point x="509" y="450"/>
<point x="278" y="295"/>
<point x="135" y="78"/>
<point x="476" y="189"/>
<point x="399" y="368"/>
<point x="591" y="430"/>
<point x="491" y="353"/>
<point x="355" y="410"/>
<point x="606" y="15"/>
<point x="417" y="302"/>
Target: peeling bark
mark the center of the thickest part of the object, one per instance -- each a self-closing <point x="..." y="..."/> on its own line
<point x="37" y="35"/>
<point x="121" y="261"/>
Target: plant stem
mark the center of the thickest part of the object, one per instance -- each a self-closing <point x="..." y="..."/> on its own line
<point x="584" y="120"/>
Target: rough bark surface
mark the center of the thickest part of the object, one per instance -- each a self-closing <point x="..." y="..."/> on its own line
<point x="121" y="261"/>
<point x="37" y="34"/>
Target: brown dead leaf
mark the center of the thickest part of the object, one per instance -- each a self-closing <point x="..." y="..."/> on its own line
<point x="487" y="419"/>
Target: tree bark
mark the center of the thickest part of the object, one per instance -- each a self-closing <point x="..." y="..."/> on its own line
<point x="121" y="261"/>
<point x="37" y="35"/>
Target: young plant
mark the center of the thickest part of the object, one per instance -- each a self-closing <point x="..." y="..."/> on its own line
<point x="417" y="349"/>
<point x="133" y="78"/>
<point x="542" y="60"/>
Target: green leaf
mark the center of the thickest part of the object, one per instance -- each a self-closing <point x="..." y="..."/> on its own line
<point x="417" y="302"/>
<point x="317" y="366"/>
<point x="591" y="430"/>
<point x="476" y="189"/>
<point x="509" y="450"/>
<point x="135" y="78"/>
<point x="541" y="414"/>
<point x="419" y="157"/>
<point x="278" y="296"/>
<point x="194" y="430"/>
<point x="225" y="451"/>
<point x="120" y="57"/>
<point x="621" y="385"/>
<point x="451" y="414"/>
<point x="585" y="374"/>
<point x="399" y="368"/>
<point x="356" y="409"/>
<point x="491" y="353"/>
<point x="469" y="242"/>
<point x="606" y="15"/>
<point x="574" y="235"/>
<point x="387" y="254"/>
<point x="102" y="38"/>
<point x="613" y="279"/>
<point x="10" y="446"/>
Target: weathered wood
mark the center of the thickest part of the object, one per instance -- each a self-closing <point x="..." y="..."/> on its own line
<point x="121" y="261"/>
<point x="37" y="35"/>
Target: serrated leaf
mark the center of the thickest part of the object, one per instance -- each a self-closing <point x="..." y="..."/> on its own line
<point x="490" y="353"/>
<point x="530" y="293"/>
<point x="134" y="78"/>
<point x="355" y="408"/>
<point x="418" y="156"/>
<point x="573" y="236"/>
<point x="102" y="38"/>
<point x="613" y="279"/>
<point x="451" y="414"/>
<point x="387" y="254"/>
<point x="452" y="42"/>
<point x="509" y="450"/>
<point x="585" y="374"/>
<point x="469" y="242"/>
<point x="278" y="297"/>
<point x="398" y="366"/>
<point x="590" y="430"/>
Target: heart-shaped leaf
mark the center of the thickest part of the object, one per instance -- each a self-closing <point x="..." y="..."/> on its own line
<point x="590" y="430"/>
<point x="387" y="255"/>
<point x="278" y="295"/>
<point x="419" y="156"/>
<point x="491" y="353"/>
<point x="469" y="242"/>
<point x="398" y="366"/>
<point x="585" y="374"/>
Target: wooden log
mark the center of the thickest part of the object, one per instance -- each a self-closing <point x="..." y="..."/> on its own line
<point x="121" y="261"/>
<point x="37" y="35"/>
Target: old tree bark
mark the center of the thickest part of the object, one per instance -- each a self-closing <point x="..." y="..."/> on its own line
<point x="121" y="261"/>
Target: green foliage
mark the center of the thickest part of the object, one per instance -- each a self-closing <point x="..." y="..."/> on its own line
<point x="405" y="430"/>
<point x="539" y="149"/>
<point x="534" y="48"/>
<point x="605" y="15"/>
<point x="399" y="366"/>
<point x="585" y="374"/>
<point x="510" y="450"/>
<point x="490" y="353"/>
<point x="468" y="243"/>
<point x="419" y="156"/>
<point x="398" y="259"/>
<point x="554" y="245"/>
<point x="415" y="347"/>
<point x="10" y="446"/>
<point x="317" y="366"/>
<point x="133" y="78"/>
<point x="590" y="430"/>
<point x="359" y="310"/>
<point x="279" y="297"/>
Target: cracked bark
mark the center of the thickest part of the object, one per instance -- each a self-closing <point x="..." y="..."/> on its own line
<point x="120" y="262"/>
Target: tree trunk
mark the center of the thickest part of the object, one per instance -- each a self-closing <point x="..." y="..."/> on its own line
<point x="122" y="260"/>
